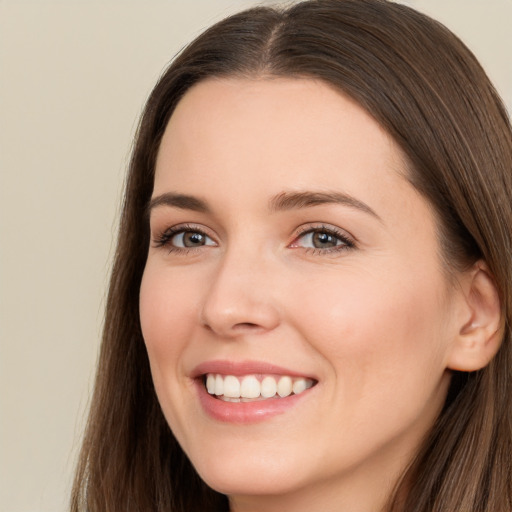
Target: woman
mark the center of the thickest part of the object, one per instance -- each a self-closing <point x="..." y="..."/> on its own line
<point x="310" y="305"/>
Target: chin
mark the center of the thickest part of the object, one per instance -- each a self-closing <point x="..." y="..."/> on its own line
<point x="246" y="475"/>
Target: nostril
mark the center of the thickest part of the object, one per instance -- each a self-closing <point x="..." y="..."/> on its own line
<point x="242" y="326"/>
<point x="246" y="326"/>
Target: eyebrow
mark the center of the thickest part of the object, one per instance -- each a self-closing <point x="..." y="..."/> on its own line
<point x="181" y="201"/>
<point x="282" y="202"/>
<point x="296" y="200"/>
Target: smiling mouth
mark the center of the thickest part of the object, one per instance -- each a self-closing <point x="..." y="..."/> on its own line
<point x="251" y="388"/>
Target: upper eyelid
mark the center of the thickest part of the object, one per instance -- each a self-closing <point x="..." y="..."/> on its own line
<point x="172" y="230"/>
<point x="184" y="226"/>
<point x="321" y="226"/>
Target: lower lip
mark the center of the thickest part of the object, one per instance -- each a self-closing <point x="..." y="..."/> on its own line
<point x="246" y="412"/>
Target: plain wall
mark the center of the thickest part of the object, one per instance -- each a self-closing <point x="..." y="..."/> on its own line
<point x="73" y="78"/>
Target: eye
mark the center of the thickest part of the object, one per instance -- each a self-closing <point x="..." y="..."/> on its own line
<point x="319" y="240"/>
<point x="322" y="239"/>
<point x="183" y="238"/>
<point x="189" y="239"/>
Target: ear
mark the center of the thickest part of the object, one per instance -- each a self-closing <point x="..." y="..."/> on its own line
<point x="480" y="328"/>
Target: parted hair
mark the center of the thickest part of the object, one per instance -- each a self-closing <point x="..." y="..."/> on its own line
<point x="427" y="90"/>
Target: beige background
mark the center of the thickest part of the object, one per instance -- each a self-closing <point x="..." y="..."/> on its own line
<point x="73" y="78"/>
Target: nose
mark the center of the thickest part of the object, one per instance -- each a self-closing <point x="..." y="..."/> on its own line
<point x="241" y="297"/>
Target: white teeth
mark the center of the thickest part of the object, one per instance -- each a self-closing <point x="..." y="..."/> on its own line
<point x="231" y="387"/>
<point x="219" y="385"/>
<point x="299" y="385"/>
<point x="210" y="384"/>
<point x="284" y="386"/>
<point x="237" y="389"/>
<point x="268" y="387"/>
<point x="250" y="387"/>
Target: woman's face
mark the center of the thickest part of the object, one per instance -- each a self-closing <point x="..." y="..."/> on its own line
<point x="288" y="251"/>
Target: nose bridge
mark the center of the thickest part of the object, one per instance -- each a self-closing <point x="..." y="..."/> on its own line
<point x="240" y="297"/>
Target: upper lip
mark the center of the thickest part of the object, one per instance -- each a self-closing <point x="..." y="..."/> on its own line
<point x="239" y="368"/>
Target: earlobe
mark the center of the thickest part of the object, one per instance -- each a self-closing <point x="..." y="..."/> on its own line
<point x="480" y="334"/>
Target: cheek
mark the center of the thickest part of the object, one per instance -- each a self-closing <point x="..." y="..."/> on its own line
<point x="381" y="331"/>
<point x="383" y="343"/>
<point x="166" y="315"/>
<point x="166" y="311"/>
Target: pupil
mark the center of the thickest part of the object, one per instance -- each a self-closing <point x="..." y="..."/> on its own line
<point x="323" y="240"/>
<point x="190" y="239"/>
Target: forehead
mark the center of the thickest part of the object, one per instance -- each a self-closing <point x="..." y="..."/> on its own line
<point x="272" y="123"/>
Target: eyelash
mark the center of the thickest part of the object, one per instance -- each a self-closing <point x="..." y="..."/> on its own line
<point x="347" y="242"/>
<point x="163" y="240"/>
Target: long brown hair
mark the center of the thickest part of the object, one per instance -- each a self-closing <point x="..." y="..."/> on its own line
<point x="428" y="91"/>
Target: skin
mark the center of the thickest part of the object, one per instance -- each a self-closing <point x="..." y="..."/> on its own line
<point x="374" y="322"/>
